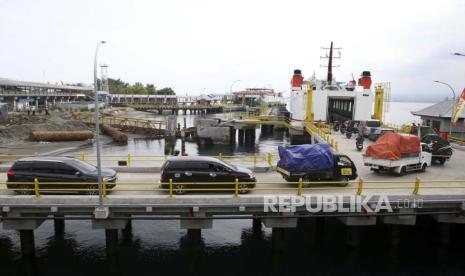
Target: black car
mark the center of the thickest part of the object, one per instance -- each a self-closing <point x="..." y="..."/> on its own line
<point x="198" y="172"/>
<point x="81" y="176"/>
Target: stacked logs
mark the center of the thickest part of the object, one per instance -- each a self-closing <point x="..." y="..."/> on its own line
<point x="53" y="136"/>
<point x="116" y="134"/>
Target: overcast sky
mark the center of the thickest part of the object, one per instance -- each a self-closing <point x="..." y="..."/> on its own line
<point x="197" y="46"/>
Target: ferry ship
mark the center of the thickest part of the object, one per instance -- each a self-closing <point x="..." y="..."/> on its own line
<point x="329" y="100"/>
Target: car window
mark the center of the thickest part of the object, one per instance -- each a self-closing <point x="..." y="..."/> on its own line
<point x="22" y="166"/>
<point x="82" y="166"/>
<point x="373" y="124"/>
<point x="176" y="166"/>
<point x="216" y="168"/>
<point x="344" y="161"/>
<point x="42" y="167"/>
<point x="197" y="166"/>
<point x="61" y="168"/>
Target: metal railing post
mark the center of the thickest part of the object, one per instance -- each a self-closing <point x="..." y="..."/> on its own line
<point x="129" y="160"/>
<point x="254" y="160"/>
<point x="417" y="185"/>
<point x="336" y="146"/>
<point x="82" y="156"/>
<point x="236" y="187"/>
<point x="360" y="186"/>
<point x="220" y="156"/>
<point x="299" y="189"/>
<point x="36" y="187"/>
<point x="269" y="159"/>
<point x="171" y="188"/>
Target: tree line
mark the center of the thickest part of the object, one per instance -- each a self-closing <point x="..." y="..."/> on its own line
<point x="117" y="86"/>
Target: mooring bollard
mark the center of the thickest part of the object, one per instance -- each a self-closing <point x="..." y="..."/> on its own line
<point x="417" y="185"/>
<point x="360" y="186"/>
<point x="36" y="187"/>
<point x="299" y="189"/>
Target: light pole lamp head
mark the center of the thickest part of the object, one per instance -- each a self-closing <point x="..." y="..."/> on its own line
<point x="458" y="54"/>
<point x="103" y="42"/>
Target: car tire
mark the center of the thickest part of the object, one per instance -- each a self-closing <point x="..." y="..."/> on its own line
<point x="344" y="182"/>
<point x="92" y="190"/>
<point x="243" y="188"/>
<point x="179" y="189"/>
<point x="423" y="167"/>
<point x="442" y="160"/>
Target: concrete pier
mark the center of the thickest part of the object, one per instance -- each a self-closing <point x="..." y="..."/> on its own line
<point x="277" y="240"/>
<point x="27" y="242"/>
<point x="240" y="136"/>
<point x="256" y="227"/>
<point x="59" y="225"/>
<point x="111" y="242"/>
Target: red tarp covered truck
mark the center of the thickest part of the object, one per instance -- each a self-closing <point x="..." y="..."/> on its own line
<point x="397" y="153"/>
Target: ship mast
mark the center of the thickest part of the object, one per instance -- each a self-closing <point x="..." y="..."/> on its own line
<point x="330" y="64"/>
<point x="330" y="57"/>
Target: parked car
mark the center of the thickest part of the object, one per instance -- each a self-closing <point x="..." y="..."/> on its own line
<point x="377" y="132"/>
<point x="365" y="126"/>
<point x="187" y="171"/>
<point x="59" y="169"/>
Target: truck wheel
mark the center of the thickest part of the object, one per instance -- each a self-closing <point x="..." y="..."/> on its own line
<point x="423" y="167"/>
<point x="442" y="160"/>
<point x="344" y="182"/>
<point x="376" y="170"/>
<point x="403" y="171"/>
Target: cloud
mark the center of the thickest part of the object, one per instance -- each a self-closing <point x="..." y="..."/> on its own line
<point x="191" y="45"/>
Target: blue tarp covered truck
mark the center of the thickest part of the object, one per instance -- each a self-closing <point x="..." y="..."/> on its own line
<point x="315" y="162"/>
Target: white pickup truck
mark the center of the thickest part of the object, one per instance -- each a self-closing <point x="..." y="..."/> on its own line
<point x="412" y="162"/>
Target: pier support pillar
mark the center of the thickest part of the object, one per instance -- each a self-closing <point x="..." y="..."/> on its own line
<point x="111" y="241"/>
<point x="256" y="227"/>
<point x="444" y="233"/>
<point x="59" y="225"/>
<point x="277" y="240"/>
<point x="127" y="231"/>
<point x="353" y="234"/>
<point x="232" y="135"/>
<point x="240" y="137"/>
<point x="194" y="236"/>
<point x="27" y="242"/>
<point x="250" y="137"/>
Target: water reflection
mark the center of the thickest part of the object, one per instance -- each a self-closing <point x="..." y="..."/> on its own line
<point x="316" y="245"/>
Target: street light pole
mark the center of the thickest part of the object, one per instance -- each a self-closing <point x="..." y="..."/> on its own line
<point x="97" y="129"/>
<point x="453" y="109"/>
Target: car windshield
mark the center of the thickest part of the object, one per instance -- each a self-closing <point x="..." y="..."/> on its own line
<point x="83" y="166"/>
<point x="373" y="124"/>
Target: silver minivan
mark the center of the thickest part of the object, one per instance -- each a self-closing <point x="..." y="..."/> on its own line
<point x="366" y="126"/>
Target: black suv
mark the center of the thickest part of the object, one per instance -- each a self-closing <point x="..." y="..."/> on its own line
<point x="206" y="171"/>
<point x="79" y="174"/>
